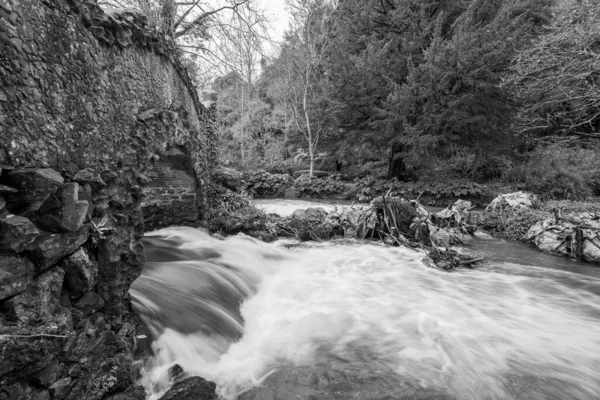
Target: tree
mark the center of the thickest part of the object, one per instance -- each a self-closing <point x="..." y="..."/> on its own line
<point x="452" y="103"/>
<point x="557" y="78"/>
<point x="302" y="60"/>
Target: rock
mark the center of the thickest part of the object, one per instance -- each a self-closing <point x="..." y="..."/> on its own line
<point x="60" y="389"/>
<point x="3" y="210"/>
<point x="81" y="273"/>
<point x="194" y="388"/>
<point x="48" y="249"/>
<point x="176" y="372"/>
<point x="15" y="275"/>
<point x="23" y="391"/>
<point x="16" y="233"/>
<point x="46" y="376"/>
<point x="513" y="200"/>
<point x="590" y="246"/>
<point x="62" y="211"/>
<point x="33" y="185"/>
<point x="41" y="300"/>
<point x="133" y="393"/>
<point x="88" y="176"/>
<point x="89" y="303"/>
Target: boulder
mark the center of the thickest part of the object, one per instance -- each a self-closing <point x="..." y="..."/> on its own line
<point x="48" y="249"/>
<point x="81" y="273"/>
<point x="590" y="246"/>
<point x="33" y="185"/>
<point x="194" y="388"/>
<point x="40" y="301"/>
<point x="16" y="233"/>
<point x="513" y="200"/>
<point x="15" y="275"/>
<point x="62" y="211"/>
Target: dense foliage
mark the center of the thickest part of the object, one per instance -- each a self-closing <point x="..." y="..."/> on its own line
<point x="464" y="91"/>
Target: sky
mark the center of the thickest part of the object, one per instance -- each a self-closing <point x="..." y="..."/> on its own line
<point x="277" y="14"/>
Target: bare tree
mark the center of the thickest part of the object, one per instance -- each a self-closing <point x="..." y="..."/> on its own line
<point x="557" y="78"/>
<point x="303" y="57"/>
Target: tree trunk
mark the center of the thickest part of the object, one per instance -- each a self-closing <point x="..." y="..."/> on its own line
<point x="396" y="166"/>
<point x="311" y="156"/>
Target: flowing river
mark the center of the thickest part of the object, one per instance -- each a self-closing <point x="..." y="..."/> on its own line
<point x="356" y="320"/>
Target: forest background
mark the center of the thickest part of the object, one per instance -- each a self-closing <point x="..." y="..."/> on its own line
<point x="488" y="91"/>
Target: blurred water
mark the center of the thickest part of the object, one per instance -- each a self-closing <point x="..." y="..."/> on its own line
<point x="351" y="319"/>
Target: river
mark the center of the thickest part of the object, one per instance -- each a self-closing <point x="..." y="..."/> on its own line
<point x="350" y="319"/>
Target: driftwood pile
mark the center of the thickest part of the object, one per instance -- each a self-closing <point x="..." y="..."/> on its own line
<point x="393" y="220"/>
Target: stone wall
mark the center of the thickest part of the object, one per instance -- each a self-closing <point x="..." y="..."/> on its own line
<point x="94" y="109"/>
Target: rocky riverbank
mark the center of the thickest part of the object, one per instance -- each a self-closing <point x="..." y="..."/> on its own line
<point x="566" y="228"/>
<point x="69" y="249"/>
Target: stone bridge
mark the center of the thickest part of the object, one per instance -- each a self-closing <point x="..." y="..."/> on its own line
<point x="102" y="136"/>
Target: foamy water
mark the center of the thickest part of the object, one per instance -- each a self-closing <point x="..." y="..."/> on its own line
<point x="357" y="320"/>
<point x="285" y="208"/>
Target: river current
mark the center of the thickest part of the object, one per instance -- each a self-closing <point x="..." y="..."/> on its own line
<point x="356" y="320"/>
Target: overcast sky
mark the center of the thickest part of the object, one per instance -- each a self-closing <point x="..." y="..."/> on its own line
<point x="275" y="10"/>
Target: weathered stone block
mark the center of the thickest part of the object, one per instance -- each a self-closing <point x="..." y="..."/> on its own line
<point x="34" y="185"/>
<point x="15" y="275"/>
<point x="48" y="249"/>
<point x="62" y="211"/>
<point x="81" y="273"/>
<point x="16" y="233"/>
<point x="40" y="301"/>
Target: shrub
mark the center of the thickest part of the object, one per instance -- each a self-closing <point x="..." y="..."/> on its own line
<point x="559" y="173"/>
<point x="318" y="187"/>
<point x="264" y="184"/>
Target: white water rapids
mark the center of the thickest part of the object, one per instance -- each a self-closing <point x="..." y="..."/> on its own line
<point x="350" y="319"/>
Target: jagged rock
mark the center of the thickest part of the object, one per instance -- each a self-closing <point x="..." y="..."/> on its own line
<point x="48" y="249"/>
<point x="194" y="388"/>
<point x="60" y="389"/>
<point x="513" y="200"/>
<point x="23" y="391"/>
<point x="33" y="185"/>
<point x="176" y="372"/>
<point x="62" y="211"/>
<point x="15" y="275"/>
<point x="40" y="301"/>
<point x="81" y="273"/>
<point x="133" y="393"/>
<point x="90" y="303"/>
<point x="16" y="233"/>
<point x="47" y="375"/>
<point x="88" y="176"/>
